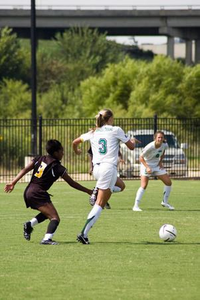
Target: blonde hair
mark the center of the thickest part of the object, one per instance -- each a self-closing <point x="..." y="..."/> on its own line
<point x="103" y="116"/>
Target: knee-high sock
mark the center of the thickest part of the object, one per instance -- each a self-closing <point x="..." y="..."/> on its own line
<point x="51" y="229"/>
<point x="166" y="193"/>
<point x="116" y="189"/>
<point x="91" y="219"/>
<point x="38" y="219"/>
<point x="139" y="195"/>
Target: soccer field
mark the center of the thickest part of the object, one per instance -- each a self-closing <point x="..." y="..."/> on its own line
<point x="126" y="258"/>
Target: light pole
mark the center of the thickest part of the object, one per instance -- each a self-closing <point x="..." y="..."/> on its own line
<point x="33" y="81"/>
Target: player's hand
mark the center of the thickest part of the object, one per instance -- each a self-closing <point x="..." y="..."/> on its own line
<point x="9" y="188"/>
<point x="135" y="141"/>
<point x="78" y="151"/>
<point x="148" y="170"/>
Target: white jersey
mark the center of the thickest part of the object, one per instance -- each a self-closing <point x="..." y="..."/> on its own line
<point x="152" y="154"/>
<point x="105" y="143"/>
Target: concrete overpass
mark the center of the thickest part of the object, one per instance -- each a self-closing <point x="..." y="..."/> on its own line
<point x="183" y="23"/>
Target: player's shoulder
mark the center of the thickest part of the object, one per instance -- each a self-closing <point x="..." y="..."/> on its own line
<point x="151" y="145"/>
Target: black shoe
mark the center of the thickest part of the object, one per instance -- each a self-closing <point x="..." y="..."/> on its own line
<point x="48" y="242"/>
<point x="107" y="206"/>
<point x="82" y="239"/>
<point x="27" y="230"/>
<point x="93" y="197"/>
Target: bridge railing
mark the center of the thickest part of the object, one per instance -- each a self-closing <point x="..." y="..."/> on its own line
<point x="101" y="7"/>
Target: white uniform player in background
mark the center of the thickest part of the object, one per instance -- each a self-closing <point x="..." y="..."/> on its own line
<point x="151" y="165"/>
<point x="104" y="140"/>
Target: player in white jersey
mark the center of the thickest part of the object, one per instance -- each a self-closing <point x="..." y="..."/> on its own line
<point x="151" y="165"/>
<point x="104" y="140"/>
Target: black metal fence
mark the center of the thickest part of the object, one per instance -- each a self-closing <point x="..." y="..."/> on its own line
<point x="182" y="159"/>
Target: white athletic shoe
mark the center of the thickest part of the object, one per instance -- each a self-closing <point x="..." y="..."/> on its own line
<point x="167" y="205"/>
<point x="136" y="208"/>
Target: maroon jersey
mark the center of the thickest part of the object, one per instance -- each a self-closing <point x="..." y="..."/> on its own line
<point x="46" y="171"/>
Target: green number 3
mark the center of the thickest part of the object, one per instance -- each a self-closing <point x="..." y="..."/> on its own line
<point x="103" y="146"/>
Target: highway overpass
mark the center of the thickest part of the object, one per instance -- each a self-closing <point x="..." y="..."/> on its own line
<point x="183" y="23"/>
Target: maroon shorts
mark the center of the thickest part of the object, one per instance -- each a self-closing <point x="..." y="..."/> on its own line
<point x="35" y="197"/>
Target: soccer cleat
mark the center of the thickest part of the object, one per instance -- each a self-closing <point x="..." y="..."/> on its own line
<point x="167" y="205"/>
<point x="82" y="239"/>
<point x="107" y="206"/>
<point x="27" y="230"/>
<point x="136" y="208"/>
<point x="93" y="197"/>
<point x="48" y="242"/>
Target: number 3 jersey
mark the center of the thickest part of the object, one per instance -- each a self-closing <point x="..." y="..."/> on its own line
<point x="105" y="143"/>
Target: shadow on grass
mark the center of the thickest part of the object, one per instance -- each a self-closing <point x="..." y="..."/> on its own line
<point x="140" y="243"/>
<point x="168" y="243"/>
<point x="159" y="209"/>
<point x="163" y="209"/>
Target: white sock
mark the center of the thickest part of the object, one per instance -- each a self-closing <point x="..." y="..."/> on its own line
<point x="166" y="193"/>
<point x="139" y="195"/>
<point x="116" y="189"/>
<point x="34" y="222"/>
<point x="48" y="236"/>
<point x="92" y="218"/>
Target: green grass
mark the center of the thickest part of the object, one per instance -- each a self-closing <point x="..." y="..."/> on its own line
<point x="125" y="260"/>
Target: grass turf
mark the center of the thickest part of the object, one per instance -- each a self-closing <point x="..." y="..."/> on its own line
<point x="125" y="260"/>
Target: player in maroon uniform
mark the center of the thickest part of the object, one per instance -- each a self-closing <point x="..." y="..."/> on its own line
<point x="46" y="170"/>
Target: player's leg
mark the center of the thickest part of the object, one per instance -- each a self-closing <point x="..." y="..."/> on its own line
<point x="167" y="190"/>
<point x="106" y="176"/>
<point x="140" y="192"/>
<point x="119" y="187"/>
<point x="51" y="213"/>
<point x="28" y="226"/>
<point x="103" y="197"/>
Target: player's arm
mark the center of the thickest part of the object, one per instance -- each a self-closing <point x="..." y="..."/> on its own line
<point x="75" y="184"/>
<point x="161" y="160"/>
<point x="131" y="143"/>
<point x="143" y="161"/>
<point x="75" y="145"/>
<point x="10" y="186"/>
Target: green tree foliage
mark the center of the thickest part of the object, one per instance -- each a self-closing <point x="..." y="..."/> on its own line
<point x="86" y="52"/>
<point x="140" y="89"/>
<point x="11" y="56"/>
<point x="157" y="91"/>
<point x="15" y="99"/>
<point x="81" y="71"/>
<point x="190" y="93"/>
<point x="112" y="89"/>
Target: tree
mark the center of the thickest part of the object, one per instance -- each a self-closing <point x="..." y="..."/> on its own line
<point x="86" y="52"/>
<point x="189" y="90"/>
<point x="15" y="99"/>
<point x="11" y="55"/>
<point x="112" y="89"/>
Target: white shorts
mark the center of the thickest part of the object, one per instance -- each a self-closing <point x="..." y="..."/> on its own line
<point x="156" y="171"/>
<point x="106" y="176"/>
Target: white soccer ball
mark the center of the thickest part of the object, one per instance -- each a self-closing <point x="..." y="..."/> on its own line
<point x="167" y="233"/>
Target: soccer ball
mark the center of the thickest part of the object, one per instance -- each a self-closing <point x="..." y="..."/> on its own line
<point x="167" y="233"/>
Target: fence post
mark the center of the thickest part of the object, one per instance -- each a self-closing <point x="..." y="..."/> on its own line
<point x="155" y="123"/>
<point x="40" y="135"/>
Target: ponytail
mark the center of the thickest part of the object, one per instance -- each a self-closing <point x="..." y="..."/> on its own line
<point x="103" y="117"/>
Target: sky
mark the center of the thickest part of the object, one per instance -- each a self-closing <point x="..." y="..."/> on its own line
<point x="116" y="4"/>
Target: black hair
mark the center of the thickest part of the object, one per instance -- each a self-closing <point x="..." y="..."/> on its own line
<point x="53" y="146"/>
